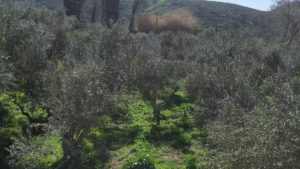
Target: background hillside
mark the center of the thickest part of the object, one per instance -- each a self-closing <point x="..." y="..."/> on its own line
<point x="209" y="13"/>
<point x="217" y="13"/>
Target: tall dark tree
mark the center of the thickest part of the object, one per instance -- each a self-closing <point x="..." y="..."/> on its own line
<point x="73" y="7"/>
<point x="109" y="10"/>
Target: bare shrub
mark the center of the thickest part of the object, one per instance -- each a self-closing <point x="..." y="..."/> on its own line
<point x="179" y="20"/>
<point x="147" y="23"/>
<point x="176" y="20"/>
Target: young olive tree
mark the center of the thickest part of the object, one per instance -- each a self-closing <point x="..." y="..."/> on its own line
<point x="227" y="66"/>
<point x="155" y="77"/>
<point x="86" y="85"/>
<point x="28" y="40"/>
<point x="31" y="37"/>
<point x="78" y="98"/>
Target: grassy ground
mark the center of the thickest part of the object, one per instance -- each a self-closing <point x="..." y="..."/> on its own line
<point x="169" y="146"/>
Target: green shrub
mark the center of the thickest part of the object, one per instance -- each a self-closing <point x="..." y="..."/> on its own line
<point x="12" y="123"/>
<point x="182" y="141"/>
<point x="139" y="162"/>
<point x="40" y="152"/>
<point x="190" y="162"/>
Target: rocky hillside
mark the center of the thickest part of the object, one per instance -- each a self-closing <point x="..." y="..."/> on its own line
<point x="209" y="13"/>
<point x="218" y="13"/>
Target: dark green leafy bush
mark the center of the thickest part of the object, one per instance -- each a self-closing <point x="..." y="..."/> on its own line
<point x="16" y="117"/>
<point x="139" y="162"/>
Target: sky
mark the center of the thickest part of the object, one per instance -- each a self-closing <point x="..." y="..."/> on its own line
<point x="263" y="5"/>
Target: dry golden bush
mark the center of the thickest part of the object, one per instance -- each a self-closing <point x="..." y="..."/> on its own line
<point x="179" y="20"/>
<point x="175" y="20"/>
<point x="147" y="23"/>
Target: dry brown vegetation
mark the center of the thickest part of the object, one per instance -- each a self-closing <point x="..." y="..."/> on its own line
<point x="175" y="20"/>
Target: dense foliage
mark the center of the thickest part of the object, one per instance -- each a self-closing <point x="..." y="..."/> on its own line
<point x="92" y="97"/>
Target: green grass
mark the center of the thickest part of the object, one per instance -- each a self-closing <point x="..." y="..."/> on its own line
<point x="134" y="135"/>
<point x="48" y="151"/>
<point x="169" y="144"/>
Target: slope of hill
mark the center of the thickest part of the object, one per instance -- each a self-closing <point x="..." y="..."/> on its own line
<point x="209" y="13"/>
<point x="212" y="13"/>
<point x="51" y="4"/>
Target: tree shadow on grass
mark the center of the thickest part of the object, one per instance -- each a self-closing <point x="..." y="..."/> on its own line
<point x="169" y="136"/>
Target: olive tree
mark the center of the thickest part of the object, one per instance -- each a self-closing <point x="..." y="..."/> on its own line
<point x="78" y="98"/>
<point x="247" y="103"/>
<point x="31" y="37"/>
<point x="228" y="64"/>
<point x="286" y="20"/>
<point x="86" y="84"/>
<point x="155" y="76"/>
<point x="265" y="137"/>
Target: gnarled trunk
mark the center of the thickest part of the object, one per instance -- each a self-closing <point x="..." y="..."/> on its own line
<point x="72" y="147"/>
<point x="156" y="111"/>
